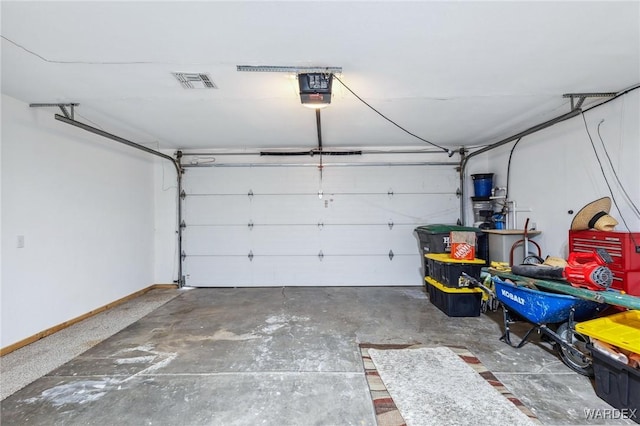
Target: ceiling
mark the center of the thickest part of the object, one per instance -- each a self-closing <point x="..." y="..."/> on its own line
<point x="453" y="73"/>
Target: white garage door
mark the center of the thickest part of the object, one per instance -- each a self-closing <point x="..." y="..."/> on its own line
<point x="268" y="226"/>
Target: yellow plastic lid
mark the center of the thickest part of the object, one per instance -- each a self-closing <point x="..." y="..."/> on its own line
<point x="446" y="257"/>
<point x="446" y="289"/>
<point x="621" y="330"/>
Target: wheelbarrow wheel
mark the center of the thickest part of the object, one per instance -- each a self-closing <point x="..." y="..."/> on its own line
<point x="581" y="365"/>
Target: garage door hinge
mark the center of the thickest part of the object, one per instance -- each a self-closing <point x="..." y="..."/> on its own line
<point x="250" y="255"/>
<point x="458" y="193"/>
<point x="183" y="255"/>
<point x="250" y="225"/>
<point x="183" y="224"/>
<point x="390" y="224"/>
<point x="320" y="255"/>
<point x="250" y="193"/>
<point x="391" y="255"/>
<point x="320" y="225"/>
<point x="183" y="195"/>
<point x="390" y="192"/>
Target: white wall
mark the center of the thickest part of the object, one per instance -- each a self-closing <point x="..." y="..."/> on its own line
<point x="555" y="170"/>
<point x="84" y="205"/>
<point x="0" y="222"/>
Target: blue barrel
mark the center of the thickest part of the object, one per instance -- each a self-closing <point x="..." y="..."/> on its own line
<point x="482" y="184"/>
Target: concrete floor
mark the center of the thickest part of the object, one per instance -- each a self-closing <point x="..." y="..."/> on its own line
<point x="279" y="356"/>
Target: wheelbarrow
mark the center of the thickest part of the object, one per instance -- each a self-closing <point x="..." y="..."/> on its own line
<point x="551" y="314"/>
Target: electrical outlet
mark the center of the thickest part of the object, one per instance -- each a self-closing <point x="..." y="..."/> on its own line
<point x="20" y="242"/>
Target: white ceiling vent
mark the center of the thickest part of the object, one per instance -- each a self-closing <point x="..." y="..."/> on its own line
<point x="195" y="80"/>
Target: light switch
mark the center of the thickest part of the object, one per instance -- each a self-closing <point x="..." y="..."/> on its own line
<point x="20" y="241"/>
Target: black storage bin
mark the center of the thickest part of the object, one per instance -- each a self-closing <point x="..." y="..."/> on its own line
<point x="447" y="271"/>
<point x="462" y="302"/>
<point x="435" y="239"/>
<point x="617" y="383"/>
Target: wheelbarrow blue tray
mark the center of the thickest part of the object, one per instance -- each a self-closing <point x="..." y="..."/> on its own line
<point x="611" y="297"/>
<point x="541" y="307"/>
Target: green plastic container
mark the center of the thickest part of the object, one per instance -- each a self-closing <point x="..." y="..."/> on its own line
<point x="435" y="238"/>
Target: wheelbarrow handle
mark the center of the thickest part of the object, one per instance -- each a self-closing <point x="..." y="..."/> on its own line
<point x="475" y="283"/>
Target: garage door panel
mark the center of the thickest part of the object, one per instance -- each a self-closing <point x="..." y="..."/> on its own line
<point x="367" y="239"/>
<point x="285" y="240"/>
<point x="259" y="180"/>
<point x="339" y="209"/>
<point x="216" y="240"/>
<point x="235" y="210"/>
<point x="371" y="271"/>
<point x="382" y="179"/>
<point x="301" y="180"/>
<point x="289" y="180"/>
<point x="298" y="240"/>
<point x="286" y="270"/>
<point x="233" y="271"/>
<point x="416" y="208"/>
<point x="217" y="271"/>
<point x="227" y="210"/>
<point x="286" y="209"/>
<point x="260" y="271"/>
<point x="260" y="240"/>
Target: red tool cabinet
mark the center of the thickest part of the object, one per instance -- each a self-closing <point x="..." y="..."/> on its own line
<point x="621" y="246"/>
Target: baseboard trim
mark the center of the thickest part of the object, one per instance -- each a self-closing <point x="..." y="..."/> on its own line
<point x="56" y="328"/>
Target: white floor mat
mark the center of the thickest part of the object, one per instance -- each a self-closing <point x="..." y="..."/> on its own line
<point x="433" y="386"/>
